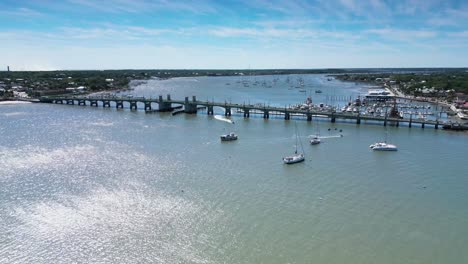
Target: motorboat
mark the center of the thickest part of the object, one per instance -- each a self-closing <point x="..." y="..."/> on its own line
<point x="229" y="137"/>
<point x="383" y="146"/>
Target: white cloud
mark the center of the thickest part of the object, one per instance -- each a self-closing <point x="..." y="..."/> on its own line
<point x="136" y="6"/>
<point x="402" y="35"/>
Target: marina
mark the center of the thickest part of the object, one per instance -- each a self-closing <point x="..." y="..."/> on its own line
<point x="184" y="190"/>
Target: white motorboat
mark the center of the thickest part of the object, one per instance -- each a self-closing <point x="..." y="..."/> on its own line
<point x="383" y="146"/>
<point x="229" y="137"/>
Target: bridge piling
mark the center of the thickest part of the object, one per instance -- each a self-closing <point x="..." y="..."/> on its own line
<point x="105" y="103"/>
<point x="266" y="114"/>
<point x="210" y="110"/>
<point x="227" y="111"/>
<point x="118" y="104"/>
<point x="190" y="108"/>
<point x="94" y="103"/>
<point x="287" y="116"/>
<point x="133" y="106"/>
<point x="147" y="106"/>
<point x="246" y="112"/>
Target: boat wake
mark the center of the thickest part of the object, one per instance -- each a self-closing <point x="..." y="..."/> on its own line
<point x="224" y="119"/>
<point x="324" y="137"/>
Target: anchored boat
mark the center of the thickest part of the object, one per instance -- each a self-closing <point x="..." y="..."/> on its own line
<point x="229" y="137"/>
<point x="297" y="157"/>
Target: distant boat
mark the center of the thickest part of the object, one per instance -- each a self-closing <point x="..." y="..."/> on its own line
<point x="316" y="140"/>
<point x="383" y="146"/>
<point x="229" y="137"/>
<point x="318" y="91"/>
<point x="297" y="157"/>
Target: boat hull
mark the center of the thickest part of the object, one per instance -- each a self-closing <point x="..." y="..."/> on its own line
<point x="293" y="159"/>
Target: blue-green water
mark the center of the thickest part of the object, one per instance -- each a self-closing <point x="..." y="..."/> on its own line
<point x="82" y="184"/>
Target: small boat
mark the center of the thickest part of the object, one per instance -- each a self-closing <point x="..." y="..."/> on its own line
<point x="315" y="141"/>
<point x="297" y="157"/>
<point x="229" y="137"/>
<point x="318" y="91"/>
<point x="383" y="146"/>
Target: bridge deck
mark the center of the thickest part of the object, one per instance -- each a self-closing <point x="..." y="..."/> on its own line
<point x="249" y="107"/>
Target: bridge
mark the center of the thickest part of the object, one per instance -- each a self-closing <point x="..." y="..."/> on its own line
<point x="191" y="106"/>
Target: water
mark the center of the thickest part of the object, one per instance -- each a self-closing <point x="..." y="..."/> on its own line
<point x="82" y="184"/>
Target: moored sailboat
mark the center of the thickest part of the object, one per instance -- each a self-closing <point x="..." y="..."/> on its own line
<point x="296" y="157"/>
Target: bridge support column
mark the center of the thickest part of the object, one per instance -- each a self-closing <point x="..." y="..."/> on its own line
<point x="227" y="111"/>
<point x="105" y="103"/>
<point x="164" y="106"/>
<point x="287" y="116"/>
<point x="147" y="106"/>
<point x="189" y="107"/>
<point x="358" y="120"/>
<point x="309" y="117"/>
<point x="422" y="125"/>
<point x="410" y="121"/>
<point x="397" y="123"/>
<point x="72" y="102"/>
<point x="437" y="125"/>
<point x="94" y="103"/>
<point x="81" y="102"/>
<point x="246" y="112"/>
<point x="266" y="114"/>
<point x="133" y="105"/>
<point x="333" y="119"/>
<point x="210" y="110"/>
<point x="118" y="104"/>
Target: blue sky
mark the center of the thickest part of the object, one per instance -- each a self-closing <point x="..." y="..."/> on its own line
<point x="144" y="34"/>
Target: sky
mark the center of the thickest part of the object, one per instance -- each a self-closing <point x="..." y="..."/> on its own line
<point x="225" y="34"/>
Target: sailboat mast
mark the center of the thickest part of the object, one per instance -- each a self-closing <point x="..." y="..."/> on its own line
<point x="295" y="128"/>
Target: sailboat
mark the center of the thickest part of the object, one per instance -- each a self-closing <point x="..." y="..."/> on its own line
<point x="316" y="140"/>
<point x="297" y="157"/>
<point x="383" y="146"/>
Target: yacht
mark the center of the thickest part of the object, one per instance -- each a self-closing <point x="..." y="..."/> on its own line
<point x="229" y="137"/>
<point x="297" y="157"/>
<point x="383" y="146"/>
<point x="315" y="141"/>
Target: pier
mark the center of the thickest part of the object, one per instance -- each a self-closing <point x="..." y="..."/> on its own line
<point x="192" y="106"/>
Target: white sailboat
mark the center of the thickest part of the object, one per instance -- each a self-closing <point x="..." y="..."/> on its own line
<point x="383" y="146"/>
<point x="297" y="157"/>
<point x="316" y="140"/>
